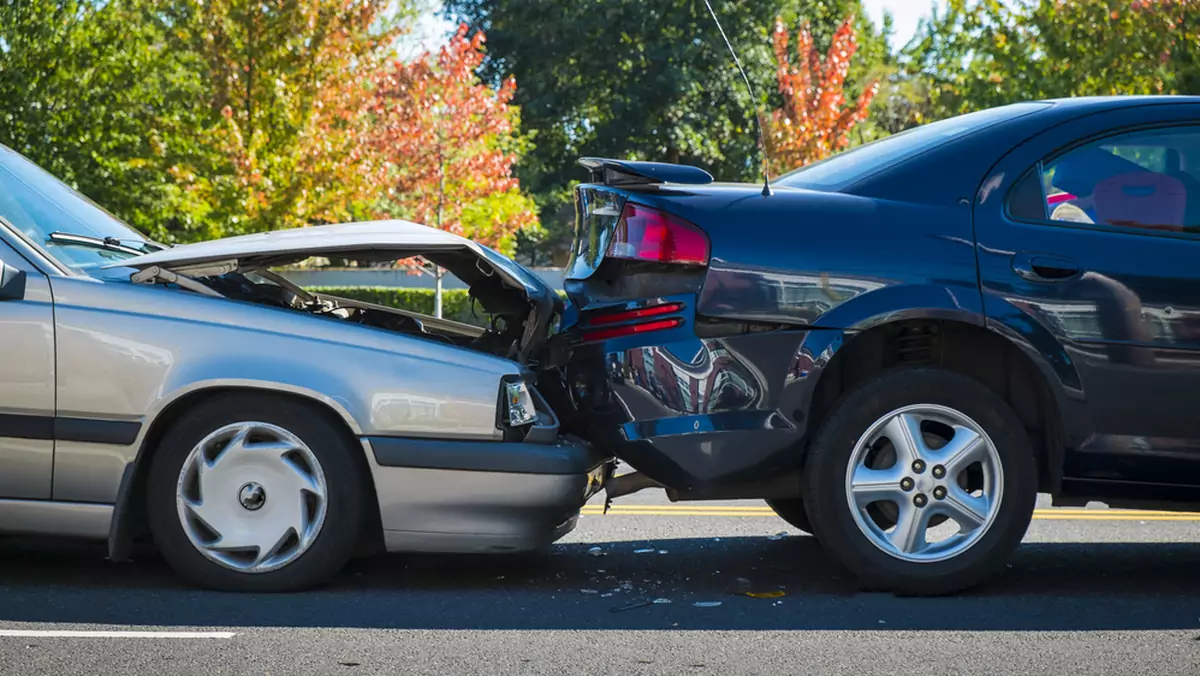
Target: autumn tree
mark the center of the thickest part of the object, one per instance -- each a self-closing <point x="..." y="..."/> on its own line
<point x="448" y="143"/>
<point x="640" y="79"/>
<point x="287" y="97"/>
<point x="816" y="118"/>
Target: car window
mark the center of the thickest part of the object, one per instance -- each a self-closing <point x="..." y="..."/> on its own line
<point x="36" y="204"/>
<point x="848" y="167"/>
<point x="1143" y="180"/>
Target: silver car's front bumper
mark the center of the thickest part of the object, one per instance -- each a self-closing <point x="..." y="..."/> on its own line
<point x="480" y="496"/>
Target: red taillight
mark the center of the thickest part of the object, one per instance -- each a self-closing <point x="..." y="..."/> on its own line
<point x="618" y="331"/>
<point x="630" y="315"/>
<point x="647" y="234"/>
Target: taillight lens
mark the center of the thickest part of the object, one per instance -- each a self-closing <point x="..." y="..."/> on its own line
<point x="647" y="234"/>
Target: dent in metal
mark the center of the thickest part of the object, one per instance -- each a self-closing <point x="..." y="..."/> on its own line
<point x="86" y="472"/>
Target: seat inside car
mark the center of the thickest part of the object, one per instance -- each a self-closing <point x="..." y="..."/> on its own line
<point x="1142" y="198"/>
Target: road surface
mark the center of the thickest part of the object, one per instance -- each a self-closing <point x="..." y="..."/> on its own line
<point x="1091" y="591"/>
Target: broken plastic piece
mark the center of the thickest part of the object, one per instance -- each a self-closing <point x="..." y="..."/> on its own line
<point x="630" y="606"/>
<point x="595" y="551"/>
<point x="766" y="595"/>
<point x="706" y="604"/>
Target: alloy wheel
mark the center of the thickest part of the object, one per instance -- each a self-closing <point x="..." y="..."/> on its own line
<point x="924" y="483"/>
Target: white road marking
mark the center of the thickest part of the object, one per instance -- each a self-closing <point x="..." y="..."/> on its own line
<point x="51" y="633"/>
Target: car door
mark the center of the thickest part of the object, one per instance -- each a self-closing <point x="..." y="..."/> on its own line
<point x="1091" y="231"/>
<point x="26" y="381"/>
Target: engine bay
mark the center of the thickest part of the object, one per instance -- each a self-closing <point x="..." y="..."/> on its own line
<point x="500" y="337"/>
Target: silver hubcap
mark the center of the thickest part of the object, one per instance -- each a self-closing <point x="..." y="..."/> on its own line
<point x="251" y="497"/>
<point x="924" y="483"/>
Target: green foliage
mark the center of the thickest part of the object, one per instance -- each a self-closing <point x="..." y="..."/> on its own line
<point x="643" y="79"/>
<point x="983" y="53"/>
<point x="91" y="92"/>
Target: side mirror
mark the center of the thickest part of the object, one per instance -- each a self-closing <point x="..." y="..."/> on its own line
<point x="12" y="282"/>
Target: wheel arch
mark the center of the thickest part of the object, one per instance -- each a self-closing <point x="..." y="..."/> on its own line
<point x="963" y="343"/>
<point x="129" y="515"/>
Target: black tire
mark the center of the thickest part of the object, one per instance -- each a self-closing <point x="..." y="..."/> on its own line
<point x="829" y="457"/>
<point x="346" y="477"/>
<point x="793" y="512"/>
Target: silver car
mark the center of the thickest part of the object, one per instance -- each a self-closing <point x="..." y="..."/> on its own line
<point x="258" y="432"/>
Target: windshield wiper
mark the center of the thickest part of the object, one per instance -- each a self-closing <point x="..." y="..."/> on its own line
<point x="108" y="243"/>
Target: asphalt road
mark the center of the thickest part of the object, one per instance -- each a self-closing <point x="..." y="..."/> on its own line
<point x="1095" y="591"/>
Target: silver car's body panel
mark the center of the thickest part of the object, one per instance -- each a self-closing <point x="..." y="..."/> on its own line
<point x="27" y="376"/>
<point x="94" y="363"/>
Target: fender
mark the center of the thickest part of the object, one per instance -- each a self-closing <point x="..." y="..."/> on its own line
<point x="900" y="303"/>
<point x="121" y="529"/>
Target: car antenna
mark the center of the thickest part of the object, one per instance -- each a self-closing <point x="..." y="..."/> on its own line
<point x="762" y="140"/>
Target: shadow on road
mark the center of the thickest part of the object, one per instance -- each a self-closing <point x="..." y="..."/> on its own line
<point x="1048" y="587"/>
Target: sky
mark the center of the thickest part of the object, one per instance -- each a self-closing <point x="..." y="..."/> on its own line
<point x="905" y="15"/>
<point x="432" y="29"/>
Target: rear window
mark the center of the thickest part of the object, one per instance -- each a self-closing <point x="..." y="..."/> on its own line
<point x="857" y="163"/>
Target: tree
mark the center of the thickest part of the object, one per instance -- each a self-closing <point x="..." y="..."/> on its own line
<point x="287" y="97"/>
<point x="91" y="92"/>
<point x="640" y="79"/>
<point x="979" y="54"/>
<point x="815" y="119"/>
<point x="449" y="143"/>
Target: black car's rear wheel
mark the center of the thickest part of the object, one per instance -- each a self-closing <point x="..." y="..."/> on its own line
<point x="793" y="512"/>
<point x="921" y="481"/>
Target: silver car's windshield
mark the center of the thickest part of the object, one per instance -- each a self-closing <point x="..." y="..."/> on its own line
<point x="39" y="205"/>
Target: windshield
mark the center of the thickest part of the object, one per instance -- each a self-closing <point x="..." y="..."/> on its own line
<point x="848" y="167"/>
<point x="37" y="204"/>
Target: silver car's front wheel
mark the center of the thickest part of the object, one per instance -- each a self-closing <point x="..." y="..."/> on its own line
<point x="251" y="497"/>
<point x="253" y="492"/>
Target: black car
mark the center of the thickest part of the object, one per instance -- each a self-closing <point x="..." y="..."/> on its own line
<point x="900" y="346"/>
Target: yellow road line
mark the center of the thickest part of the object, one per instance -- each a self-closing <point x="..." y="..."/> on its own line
<point x="1041" y="514"/>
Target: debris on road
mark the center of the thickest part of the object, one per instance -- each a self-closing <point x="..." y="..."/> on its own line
<point x="740" y="585"/>
<point x="630" y="606"/>
<point x="766" y="595"/>
<point x="644" y="551"/>
<point x="778" y="536"/>
<point x="706" y="604"/>
<point x="589" y="591"/>
<point x="596" y="551"/>
<point x="661" y="601"/>
<point x="662" y="551"/>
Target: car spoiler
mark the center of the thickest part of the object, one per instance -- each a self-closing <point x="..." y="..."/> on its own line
<point x="633" y="173"/>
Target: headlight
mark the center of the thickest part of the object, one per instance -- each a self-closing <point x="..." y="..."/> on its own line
<point x="519" y="404"/>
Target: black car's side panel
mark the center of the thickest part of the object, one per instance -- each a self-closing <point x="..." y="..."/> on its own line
<point x="1124" y="324"/>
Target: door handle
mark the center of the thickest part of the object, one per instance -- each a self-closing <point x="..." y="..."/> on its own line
<point x="1045" y="268"/>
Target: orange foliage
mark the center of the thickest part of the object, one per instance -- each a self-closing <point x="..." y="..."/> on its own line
<point x="815" y="120"/>
<point x="448" y="142"/>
